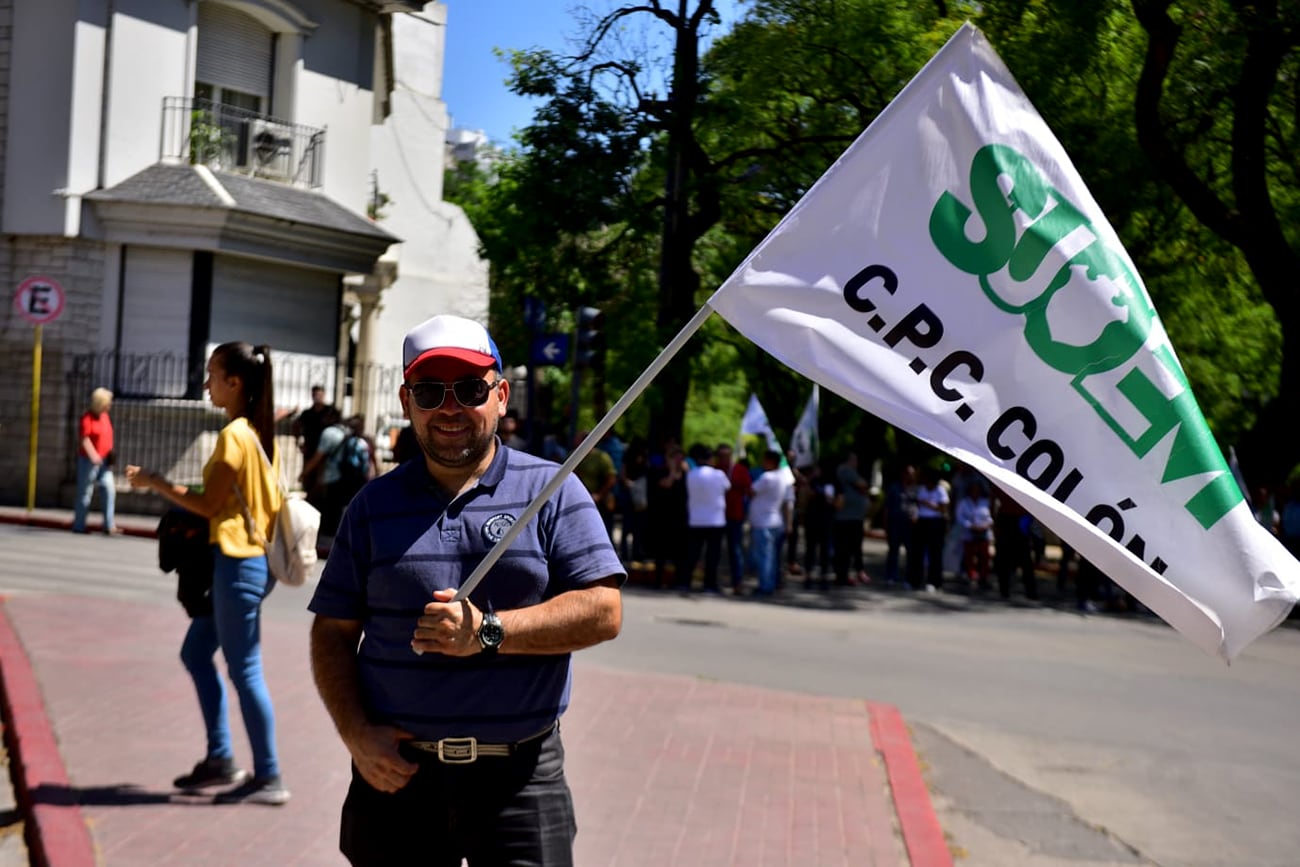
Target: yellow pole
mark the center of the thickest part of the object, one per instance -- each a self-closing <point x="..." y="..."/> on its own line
<point x="36" y="420"/>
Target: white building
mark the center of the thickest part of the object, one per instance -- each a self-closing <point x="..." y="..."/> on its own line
<point x="197" y="171"/>
<point x="438" y="267"/>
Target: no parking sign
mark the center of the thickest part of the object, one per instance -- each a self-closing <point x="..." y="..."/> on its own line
<point x="39" y="300"/>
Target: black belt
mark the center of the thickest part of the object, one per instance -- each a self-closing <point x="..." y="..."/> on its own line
<point x="462" y="751"/>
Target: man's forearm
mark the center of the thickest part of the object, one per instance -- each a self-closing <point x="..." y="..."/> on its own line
<point x="568" y="622"/>
<point x="334" y="668"/>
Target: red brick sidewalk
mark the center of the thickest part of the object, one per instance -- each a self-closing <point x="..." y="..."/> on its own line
<point x="665" y="769"/>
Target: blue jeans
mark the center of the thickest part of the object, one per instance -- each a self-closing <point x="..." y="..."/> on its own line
<point x="898" y="532"/>
<point x="239" y="585"/>
<point x="736" y="551"/>
<point x="765" y="542"/>
<point x="88" y="477"/>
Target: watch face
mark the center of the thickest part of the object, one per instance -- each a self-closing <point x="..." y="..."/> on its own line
<point x="490" y="633"/>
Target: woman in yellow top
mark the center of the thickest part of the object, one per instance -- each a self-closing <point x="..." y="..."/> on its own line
<point x="239" y="382"/>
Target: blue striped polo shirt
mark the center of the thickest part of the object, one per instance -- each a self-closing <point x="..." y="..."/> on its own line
<point x="402" y="538"/>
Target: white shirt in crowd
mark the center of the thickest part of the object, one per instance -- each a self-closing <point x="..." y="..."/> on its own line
<point x="932" y="502"/>
<point x="770" y="491"/>
<point x="706" y="497"/>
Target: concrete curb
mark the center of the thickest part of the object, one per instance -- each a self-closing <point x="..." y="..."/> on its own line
<point x="55" y="831"/>
<point x="51" y="523"/>
<point x="922" y="834"/>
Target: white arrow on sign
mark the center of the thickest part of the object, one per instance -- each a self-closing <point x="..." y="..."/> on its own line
<point x="551" y="351"/>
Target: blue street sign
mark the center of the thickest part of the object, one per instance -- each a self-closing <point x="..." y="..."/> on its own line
<point x="551" y="349"/>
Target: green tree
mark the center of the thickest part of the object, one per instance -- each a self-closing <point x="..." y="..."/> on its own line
<point x="612" y="190"/>
<point x="791" y="87"/>
<point x="553" y="220"/>
<point x="717" y="162"/>
<point x="1082" y="65"/>
<point x="1216" y="110"/>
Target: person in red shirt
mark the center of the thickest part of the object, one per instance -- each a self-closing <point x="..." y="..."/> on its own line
<point x="94" y="461"/>
<point x="737" y="506"/>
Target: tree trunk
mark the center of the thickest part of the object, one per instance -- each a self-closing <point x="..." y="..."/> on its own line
<point x="1268" y="450"/>
<point x="1243" y="214"/>
<point x="678" y="280"/>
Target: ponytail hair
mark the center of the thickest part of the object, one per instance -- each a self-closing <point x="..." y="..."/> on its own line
<point x="252" y="364"/>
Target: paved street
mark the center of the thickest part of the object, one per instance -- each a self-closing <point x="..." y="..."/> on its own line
<point x="1046" y="738"/>
<point x="666" y="769"/>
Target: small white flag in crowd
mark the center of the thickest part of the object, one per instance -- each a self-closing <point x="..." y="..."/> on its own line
<point x="804" y="442"/>
<point x="951" y="274"/>
<point x="754" y="424"/>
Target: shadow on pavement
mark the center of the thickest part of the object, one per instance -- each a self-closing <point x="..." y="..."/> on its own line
<point x="116" y="795"/>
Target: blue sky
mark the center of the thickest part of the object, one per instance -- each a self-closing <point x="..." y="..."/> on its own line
<point x="474" y="79"/>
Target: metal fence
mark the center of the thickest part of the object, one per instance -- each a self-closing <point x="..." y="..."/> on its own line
<point x="162" y="418"/>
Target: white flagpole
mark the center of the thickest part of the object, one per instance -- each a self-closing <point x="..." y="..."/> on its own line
<point x="581" y="451"/>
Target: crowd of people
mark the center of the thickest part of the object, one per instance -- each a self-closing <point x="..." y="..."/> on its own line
<point x="673" y="512"/>
<point x="703" y="519"/>
<point x="681" y="516"/>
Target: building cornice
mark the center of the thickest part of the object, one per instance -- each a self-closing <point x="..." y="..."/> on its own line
<point x="391" y="6"/>
<point x="278" y="15"/>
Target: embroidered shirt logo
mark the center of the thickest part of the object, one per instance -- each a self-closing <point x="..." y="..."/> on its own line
<point x="495" y="527"/>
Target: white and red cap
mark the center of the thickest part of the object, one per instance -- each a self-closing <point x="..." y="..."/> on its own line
<point x="449" y="337"/>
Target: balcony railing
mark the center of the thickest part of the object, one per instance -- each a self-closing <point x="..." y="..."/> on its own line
<point x="231" y="139"/>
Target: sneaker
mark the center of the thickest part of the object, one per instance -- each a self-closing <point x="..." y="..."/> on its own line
<point x="258" y="790"/>
<point x="211" y="772"/>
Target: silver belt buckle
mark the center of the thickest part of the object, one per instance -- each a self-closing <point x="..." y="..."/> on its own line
<point x="458" y="751"/>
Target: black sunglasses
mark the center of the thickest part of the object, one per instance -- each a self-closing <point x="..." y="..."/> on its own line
<point x="469" y="392"/>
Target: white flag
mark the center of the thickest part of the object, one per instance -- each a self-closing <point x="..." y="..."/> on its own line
<point x="951" y="274"/>
<point x="755" y="423"/>
<point x="804" y="442"/>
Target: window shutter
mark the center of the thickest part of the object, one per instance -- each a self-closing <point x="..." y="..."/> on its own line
<point x="292" y="309"/>
<point x="235" y="50"/>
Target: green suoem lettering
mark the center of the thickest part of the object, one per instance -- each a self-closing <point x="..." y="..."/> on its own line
<point x="1118" y="340"/>
<point x="1215" y="500"/>
<point x="1023" y="256"/>
<point x="1194" y="451"/>
<point x="996" y="209"/>
<point x="1040" y="237"/>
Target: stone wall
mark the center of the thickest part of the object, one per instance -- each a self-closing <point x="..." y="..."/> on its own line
<point x="6" y="37"/>
<point x="78" y="266"/>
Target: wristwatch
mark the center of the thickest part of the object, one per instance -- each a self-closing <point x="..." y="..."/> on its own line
<point x="490" y="632"/>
